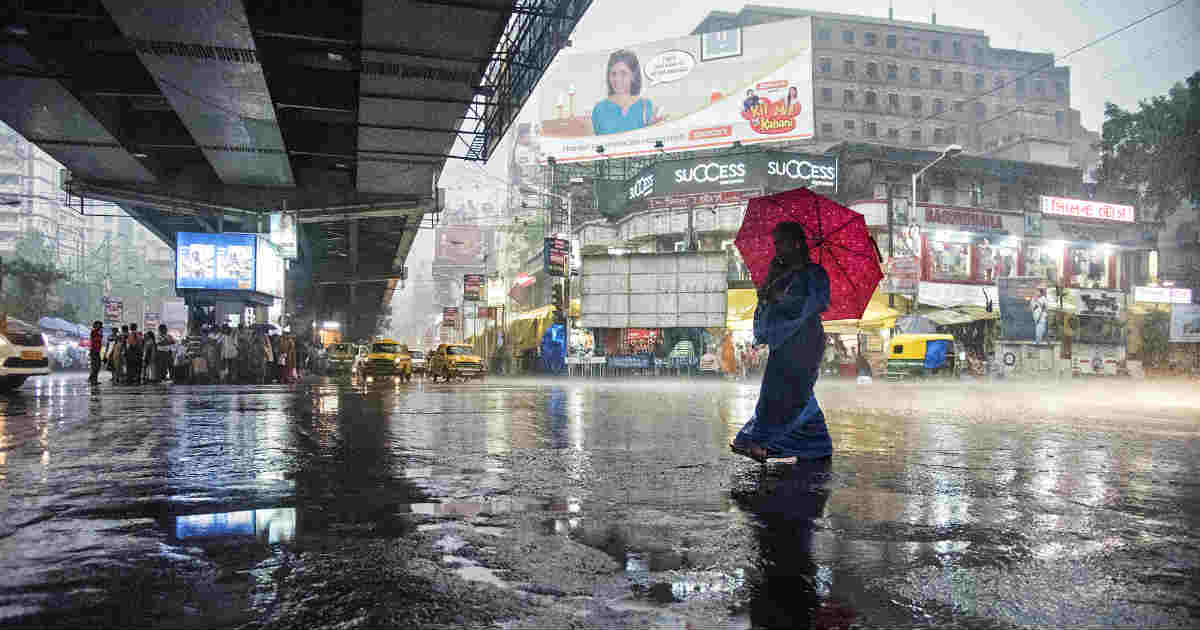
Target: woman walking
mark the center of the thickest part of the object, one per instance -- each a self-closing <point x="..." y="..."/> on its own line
<point x="788" y="421"/>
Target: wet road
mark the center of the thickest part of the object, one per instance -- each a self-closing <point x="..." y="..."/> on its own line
<point x="540" y="504"/>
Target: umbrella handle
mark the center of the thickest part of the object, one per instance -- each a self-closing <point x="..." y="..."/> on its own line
<point x="878" y="255"/>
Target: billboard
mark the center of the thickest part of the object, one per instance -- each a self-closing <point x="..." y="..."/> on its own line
<point x="1099" y="302"/>
<point x="556" y="254"/>
<point x="654" y="291"/>
<point x="460" y="245"/>
<point x="699" y="91"/>
<point x="716" y="180"/>
<point x="1185" y="323"/>
<point x="1017" y="296"/>
<point x="268" y="269"/>
<point x="114" y="309"/>
<point x="473" y="287"/>
<point x="450" y="317"/>
<point x="175" y="315"/>
<point x="151" y="320"/>
<point x="214" y="261"/>
<point x="1086" y="209"/>
<point x="283" y="234"/>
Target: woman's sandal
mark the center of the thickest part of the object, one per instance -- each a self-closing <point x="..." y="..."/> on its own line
<point x="744" y="451"/>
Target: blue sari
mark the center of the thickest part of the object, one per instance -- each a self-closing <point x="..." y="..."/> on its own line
<point x="787" y="421"/>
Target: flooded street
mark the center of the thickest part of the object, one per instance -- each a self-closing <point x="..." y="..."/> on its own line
<point x="596" y="504"/>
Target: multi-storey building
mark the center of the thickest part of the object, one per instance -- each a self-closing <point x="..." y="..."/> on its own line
<point x="924" y="85"/>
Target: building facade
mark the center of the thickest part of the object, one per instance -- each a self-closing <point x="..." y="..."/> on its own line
<point x="922" y="85"/>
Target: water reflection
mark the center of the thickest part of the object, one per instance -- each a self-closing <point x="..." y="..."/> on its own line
<point x="786" y="591"/>
<point x="270" y="526"/>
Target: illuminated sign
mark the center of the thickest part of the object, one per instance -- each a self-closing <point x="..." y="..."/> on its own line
<point x="1162" y="295"/>
<point x="1086" y="209"/>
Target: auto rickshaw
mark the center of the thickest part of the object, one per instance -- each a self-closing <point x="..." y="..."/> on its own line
<point x="920" y="355"/>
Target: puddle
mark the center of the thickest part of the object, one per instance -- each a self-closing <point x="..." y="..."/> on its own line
<point x="470" y="570"/>
<point x="277" y="525"/>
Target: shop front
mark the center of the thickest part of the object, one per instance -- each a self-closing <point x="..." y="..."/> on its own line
<point x="968" y="245"/>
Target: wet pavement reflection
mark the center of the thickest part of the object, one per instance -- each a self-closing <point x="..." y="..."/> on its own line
<point x="532" y="503"/>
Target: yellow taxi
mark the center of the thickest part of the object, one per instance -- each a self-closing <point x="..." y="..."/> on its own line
<point x="385" y="357"/>
<point x="455" y="360"/>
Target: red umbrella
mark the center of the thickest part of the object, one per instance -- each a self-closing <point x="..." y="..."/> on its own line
<point x="838" y="240"/>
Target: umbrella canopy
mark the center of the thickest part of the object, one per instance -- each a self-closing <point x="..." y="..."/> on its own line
<point x="838" y="240"/>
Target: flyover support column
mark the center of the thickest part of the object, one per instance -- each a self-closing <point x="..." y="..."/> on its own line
<point x="352" y="310"/>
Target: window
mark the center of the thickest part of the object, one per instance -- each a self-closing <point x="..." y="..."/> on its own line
<point x="848" y="68"/>
<point x="939" y="106"/>
<point x="956" y="47"/>
<point x="849" y="125"/>
<point x="893" y="72"/>
<point x="870" y="39"/>
<point x="959" y="106"/>
<point x="939" y="135"/>
<point x="824" y="34"/>
<point x="993" y="260"/>
<point x="848" y="37"/>
<point x="871" y="99"/>
<point x="893" y="134"/>
<point x="935" y="76"/>
<point x="1002" y="199"/>
<point x="980" y="110"/>
<point x="891" y="41"/>
<point x="949" y="196"/>
<point x="898" y="349"/>
<point x="872" y="129"/>
<point x="979" y="82"/>
<point x="826" y="65"/>
<point x="917" y="105"/>
<point x="1020" y="86"/>
<point x="9" y="179"/>
<point x="956" y="78"/>
<point x="916" y="136"/>
<point x="827" y="129"/>
<point x="950" y="259"/>
<point x="848" y="97"/>
<point x="914" y="75"/>
<point x="1058" y="119"/>
<point x="872" y="70"/>
<point x="935" y="46"/>
<point x="1039" y="87"/>
<point x="951" y="137"/>
<point x="999" y="83"/>
<point x="894" y="102"/>
<point x="826" y="95"/>
<point x="1060" y="89"/>
<point x="978" y="52"/>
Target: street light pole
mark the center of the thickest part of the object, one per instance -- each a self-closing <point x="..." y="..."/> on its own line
<point x="949" y="152"/>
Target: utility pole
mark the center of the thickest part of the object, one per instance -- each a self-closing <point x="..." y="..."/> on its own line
<point x="891" y="239"/>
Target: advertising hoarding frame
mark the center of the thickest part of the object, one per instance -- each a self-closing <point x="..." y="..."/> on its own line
<point x="207" y="259"/>
<point x="1015" y="297"/>
<point x="284" y="234"/>
<point x="473" y="284"/>
<point x="114" y="309"/>
<point x="450" y="317"/>
<point x="750" y="85"/>
<point x="556" y="256"/>
<point x="1185" y="323"/>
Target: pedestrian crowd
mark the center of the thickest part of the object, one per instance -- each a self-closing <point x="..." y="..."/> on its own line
<point x="209" y="354"/>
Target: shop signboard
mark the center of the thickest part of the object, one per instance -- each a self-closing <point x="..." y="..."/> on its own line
<point x="1162" y="295"/>
<point x="556" y="253"/>
<point x="903" y="275"/>
<point x="947" y="295"/>
<point x="459" y="246"/>
<point x="450" y="317"/>
<point x="151" y="321"/>
<point x="283" y="234"/>
<point x="629" y="361"/>
<point x="687" y="97"/>
<point x="701" y="181"/>
<point x="215" y="261"/>
<point x="486" y="312"/>
<point x="1016" y="300"/>
<point x="968" y="219"/>
<point x="114" y="309"/>
<point x="1185" y="323"/>
<point x="473" y="284"/>
<point x="1098" y="302"/>
<point x="1086" y="209"/>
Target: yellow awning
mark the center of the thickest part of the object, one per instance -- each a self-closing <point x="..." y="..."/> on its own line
<point x="877" y="316"/>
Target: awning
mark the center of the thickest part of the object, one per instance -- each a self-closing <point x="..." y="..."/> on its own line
<point x="960" y="315"/>
<point x="878" y="316"/>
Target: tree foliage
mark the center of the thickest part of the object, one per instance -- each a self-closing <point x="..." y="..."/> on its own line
<point x="27" y="288"/>
<point x="1155" y="149"/>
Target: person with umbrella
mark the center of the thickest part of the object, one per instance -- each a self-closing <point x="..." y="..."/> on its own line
<point x="787" y="420"/>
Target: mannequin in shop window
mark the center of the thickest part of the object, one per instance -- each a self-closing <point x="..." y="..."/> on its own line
<point x="987" y="261"/>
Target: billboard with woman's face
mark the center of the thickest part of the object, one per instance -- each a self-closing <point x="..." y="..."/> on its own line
<point x="701" y="91"/>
